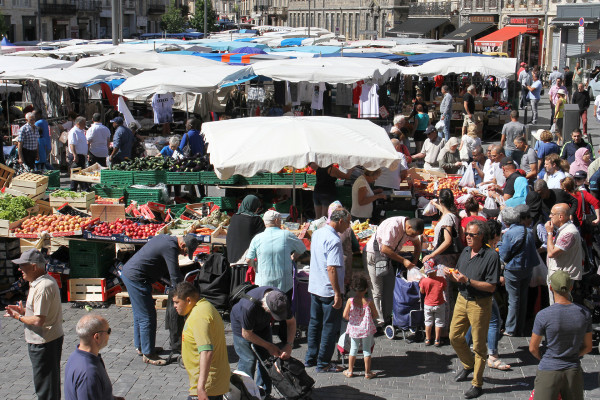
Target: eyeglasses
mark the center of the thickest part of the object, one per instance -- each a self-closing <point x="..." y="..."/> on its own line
<point x="469" y="234"/>
<point x="107" y="331"/>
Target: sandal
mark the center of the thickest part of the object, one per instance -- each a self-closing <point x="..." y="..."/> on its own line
<point x="427" y="342"/>
<point x="348" y="374"/>
<point x="437" y="343"/>
<point x="497" y="364"/>
<point x="154" y="359"/>
<point x="370" y="375"/>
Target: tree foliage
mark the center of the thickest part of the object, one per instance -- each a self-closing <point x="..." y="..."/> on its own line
<point x="172" y="21"/>
<point x="197" y="19"/>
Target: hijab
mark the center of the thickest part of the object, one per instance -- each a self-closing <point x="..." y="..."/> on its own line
<point x="520" y="195"/>
<point x="452" y="142"/>
<point x="579" y="164"/>
<point x="249" y="205"/>
<point x="332" y="207"/>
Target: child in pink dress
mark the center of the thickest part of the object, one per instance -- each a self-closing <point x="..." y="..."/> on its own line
<point x="360" y="313"/>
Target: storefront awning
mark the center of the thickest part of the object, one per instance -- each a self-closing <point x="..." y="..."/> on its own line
<point x="467" y="31"/>
<point x="495" y="39"/>
<point x="571" y="21"/>
<point x="419" y="26"/>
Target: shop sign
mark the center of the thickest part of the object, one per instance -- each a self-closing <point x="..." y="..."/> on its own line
<point x="531" y="23"/>
<point x="482" y="19"/>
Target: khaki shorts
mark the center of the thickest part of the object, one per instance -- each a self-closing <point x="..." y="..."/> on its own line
<point x="467" y="121"/>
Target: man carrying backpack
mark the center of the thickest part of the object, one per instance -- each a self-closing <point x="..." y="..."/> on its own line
<point x="251" y="324"/>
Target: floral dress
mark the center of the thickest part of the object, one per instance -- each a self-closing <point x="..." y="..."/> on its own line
<point x="360" y="321"/>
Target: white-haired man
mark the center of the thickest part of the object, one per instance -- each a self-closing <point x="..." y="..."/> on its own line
<point x="42" y="317"/>
<point x="446" y="111"/>
<point x="27" y="142"/>
<point x="469" y="105"/>
<point x="85" y="372"/>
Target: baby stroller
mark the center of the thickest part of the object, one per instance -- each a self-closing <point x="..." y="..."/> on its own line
<point x="343" y="348"/>
<point x="408" y="314"/>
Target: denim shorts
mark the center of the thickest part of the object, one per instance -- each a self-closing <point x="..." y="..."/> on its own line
<point x="323" y="199"/>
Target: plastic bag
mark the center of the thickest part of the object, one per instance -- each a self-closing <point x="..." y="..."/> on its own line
<point x="540" y="274"/>
<point x="429" y="210"/>
<point x="464" y="152"/>
<point x="553" y="128"/>
<point x="463" y="199"/>
<point x="414" y="275"/>
<point x="490" y="204"/>
<point x="468" y="179"/>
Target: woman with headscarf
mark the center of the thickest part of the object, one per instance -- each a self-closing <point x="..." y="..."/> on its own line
<point x="244" y="225"/>
<point x="449" y="159"/>
<point x="521" y="191"/>
<point x="582" y="160"/>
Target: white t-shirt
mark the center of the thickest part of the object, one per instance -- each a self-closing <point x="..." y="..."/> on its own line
<point x="357" y="210"/>
<point x="391" y="179"/>
<point x="597" y="104"/>
<point x="471" y="143"/>
<point x="368" y="104"/>
<point x="162" y="104"/>
<point x="77" y="138"/>
<point x="97" y="136"/>
<point x="317" y="96"/>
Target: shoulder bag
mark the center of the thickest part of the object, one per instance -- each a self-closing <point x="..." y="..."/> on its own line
<point x="187" y="149"/>
<point x="383" y="264"/>
<point x="456" y="247"/>
<point x="586" y="219"/>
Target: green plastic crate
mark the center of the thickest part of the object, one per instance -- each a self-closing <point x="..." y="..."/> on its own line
<point x="400" y="213"/>
<point x="53" y="178"/>
<point x="225" y="203"/>
<point x="210" y="178"/>
<point x="143" y="196"/>
<point x="177" y="209"/>
<point x="283" y="206"/>
<point x="149" y="177"/>
<point x="183" y="178"/>
<point x="288" y="179"/>
<point x="108" y="192"/>
<point x="311" y="179"/>
<point x="116" y="178"/>
<point x="90" y="259"/>
<point x="258" y="179"/>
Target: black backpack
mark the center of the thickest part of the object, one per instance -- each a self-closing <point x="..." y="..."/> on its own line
<point x="290" y="378"/>
<point x="240" y="292"/>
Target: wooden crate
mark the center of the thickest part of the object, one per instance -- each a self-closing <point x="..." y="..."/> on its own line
<point x="77" y="202"/>
<point x="6" y="225"/>
<point x="108" y="212"/>
<point x="160" y="300"/>
<point x="44" y="207"/>
<point x="90" y="289"/>
<point x="30" y="180"/>
<point x="219" y="235"/>
<point x="33" y="192"/>
<point x="78" y="174"/>
<point x="6" y="175"/>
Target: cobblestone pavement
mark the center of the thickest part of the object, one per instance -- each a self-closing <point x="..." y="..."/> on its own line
<point x="405" y="371"/>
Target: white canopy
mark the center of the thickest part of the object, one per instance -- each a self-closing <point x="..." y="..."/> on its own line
<point x="499" y="67"/>
<point x="143" y="62"/>
<point x="12" y="63"/>
<point x="76" y="78"/>
<point x="329" y="70"/>
<point x="183" y="79"/>
<point x="248" y="145"/>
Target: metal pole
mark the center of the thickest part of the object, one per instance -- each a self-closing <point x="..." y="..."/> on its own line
<point x="545" y="37"/>
<point x="121" y="21"/>
<point x="115" y="18"/>
<point x="308" y="18"/>
<point x="187" y="112"/>
<point x="205" y="8"/>
<point x="39" y="21"/>
<point x="8" y="112"/>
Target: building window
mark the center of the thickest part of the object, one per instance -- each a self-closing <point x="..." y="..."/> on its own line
<point x="479" y="4"/>
<point x="356" y="26"/>
<point x="349" y="26"/>
<point x="319" y="20"/>
<point x="468" y="4"/>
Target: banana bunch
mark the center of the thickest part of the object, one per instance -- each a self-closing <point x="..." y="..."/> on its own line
<point x="360" y="226"/>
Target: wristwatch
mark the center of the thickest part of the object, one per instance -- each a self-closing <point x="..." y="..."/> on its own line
<point x="468" y="282"/>
<point x="19" y="318"/>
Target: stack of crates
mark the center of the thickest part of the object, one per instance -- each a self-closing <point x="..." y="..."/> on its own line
<point x="90" y="259"/>
<point x="10" y="249"/>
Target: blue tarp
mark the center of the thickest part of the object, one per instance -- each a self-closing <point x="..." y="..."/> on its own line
<point x="423" y="58"/>
<point x="182" y="35"/>
<point x="382" y="56"/>
<point x="5" y="42"/>
<point x="310" y="49"/>
<point x="227" y="46"/>
<point x="248" y="39"/>
<point x="113" y="84"/>
<point x="292" y="42"/>
<point x="250" y="50"/>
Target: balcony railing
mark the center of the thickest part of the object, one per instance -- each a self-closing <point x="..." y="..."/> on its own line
<point x="481" y="4"/>
<point x="441" y="8"/>
<point x="156" y="8"/>
<point x="89" y="5"/>
<point x="66" y="8"/>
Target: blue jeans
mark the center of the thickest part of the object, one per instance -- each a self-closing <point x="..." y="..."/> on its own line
<point x="446" y="120"/>
<point x="247" y="361"/>
<point x="144" y="314"/>
<point x="517" y="288"/>
<point x="493" y="332"/>
<point x="323" y="330"/>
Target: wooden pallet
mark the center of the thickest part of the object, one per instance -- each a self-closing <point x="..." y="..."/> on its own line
<point x="160" y="300"/>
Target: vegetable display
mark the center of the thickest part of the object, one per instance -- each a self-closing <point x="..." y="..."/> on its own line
<point x="53" y="223"/>
<point x="127" y="227"/>
<point x="196" y="163"/>
<point x="216" y="218"/>
<point x="68" y="194"/>
<point x="14" y="208"/>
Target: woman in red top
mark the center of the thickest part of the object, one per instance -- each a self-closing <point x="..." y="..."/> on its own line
<point x="472" y="209"/>
<point x="584" y="200"/>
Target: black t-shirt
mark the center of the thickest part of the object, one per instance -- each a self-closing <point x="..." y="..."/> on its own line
<point x="509" y="187"/>
<point x="325" y="182"/>
<point x="569" y="79"/>
<point x="484" y="267"/>
<point x="252" y="316"/>
<point x="468" y="97"/>
<point x="242" y="228"/>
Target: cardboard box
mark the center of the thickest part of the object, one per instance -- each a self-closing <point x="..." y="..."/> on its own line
<point x="478" y="106"/>
<point x="108" y="212"/>
<point x="425" y="175"/>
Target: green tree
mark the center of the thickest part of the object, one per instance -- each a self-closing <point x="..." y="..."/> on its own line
<point x="197" y="19"/>
<point x="172" y="21"/>
<point x="3" y="26"/>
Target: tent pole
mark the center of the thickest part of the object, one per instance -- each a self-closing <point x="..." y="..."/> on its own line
<point x="187" y="111"/>
<point x="8" y="111"/>
<point x="294" y="186"/>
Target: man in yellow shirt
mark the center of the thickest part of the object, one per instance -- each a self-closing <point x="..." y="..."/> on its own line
<point x="203" y="348"/>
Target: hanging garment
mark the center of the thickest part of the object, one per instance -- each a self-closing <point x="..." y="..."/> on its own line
<point x="368" y="105"/>
<point x="162" y="104"/>
<point x="343" y="96"/>
<point x="279" y="92"/>
<point x="357" y="91"/>
<point x="293" y="90"/>
<point x="305" y="92"/>
<point x="317" y="96"/>
<point x="123" y="109"/>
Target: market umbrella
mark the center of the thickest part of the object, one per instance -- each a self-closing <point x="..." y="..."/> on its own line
<point x="498" y="67"/>
<point x="65" y="77"/>
<point x="246" y="146"/>
<point x="250" y="50"/>
<point x="183" y="80"/>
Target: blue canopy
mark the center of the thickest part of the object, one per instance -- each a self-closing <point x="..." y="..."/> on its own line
<point x="420" y="59"/>
<point x="292" y="41"/>
<point x="5" y="42"/>
<point x="250" y="50"/>
<point x="247" y="39"/>
<point x="380" y="55"/>
<point x="310" y="49"/>
<point x="112" y="84"/>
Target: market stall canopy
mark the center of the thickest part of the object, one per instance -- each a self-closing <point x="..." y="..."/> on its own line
<point x="246" y="146"/>
<point x="133" y="63"/>
<point x="420" y="59"/>
<point x="498" y="67"/>
<point x="416" y="26"/>
<point x="495" y="39"/>
<point x="67" y="77"/>
<point x="184" y="79"/>
<point x="12" y="63"/>
<point x="10" y="88"/>
<point x="467" y="31"/>
<point x="329" y="70"/>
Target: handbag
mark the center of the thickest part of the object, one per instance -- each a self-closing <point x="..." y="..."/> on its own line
<point x="456" y="247"/>
<point x="187" y="149"/>
<point x="587" y="227"/>
<point x="383" y="264"/>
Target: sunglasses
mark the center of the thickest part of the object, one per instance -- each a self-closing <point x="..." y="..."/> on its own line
<point x="107" y="331"/>
<point x="468" y="234"/>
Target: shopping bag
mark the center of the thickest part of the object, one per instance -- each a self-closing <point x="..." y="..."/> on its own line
<point x="464" y="152"/>
<point x="429" y="210"/>
<point x="540" y="274"/>
<point x="463" y="199"/>
<point x="414" y="275"/>
<point x="553" y="128"/>
<point x="468" y="179"/>
<point x="490" y="204"/>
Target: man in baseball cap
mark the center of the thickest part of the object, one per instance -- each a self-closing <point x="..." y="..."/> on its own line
<point x="123" y="141"/>
<point x="42" y="319"/>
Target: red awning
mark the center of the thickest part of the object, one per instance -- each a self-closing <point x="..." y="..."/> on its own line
<point x="495" y="39"/>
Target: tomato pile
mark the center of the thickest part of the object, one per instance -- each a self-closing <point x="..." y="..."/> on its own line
<point x="53" y="223"/>
<point x="445" y="183"/>
<point x="127" y="227"/>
